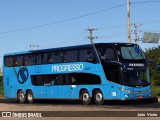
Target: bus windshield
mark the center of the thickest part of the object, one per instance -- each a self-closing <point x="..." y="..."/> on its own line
<point x="136" y="78"/>
<point x="132" y="52"/>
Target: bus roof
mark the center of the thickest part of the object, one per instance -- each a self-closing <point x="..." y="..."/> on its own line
<point x="67" y="48"/>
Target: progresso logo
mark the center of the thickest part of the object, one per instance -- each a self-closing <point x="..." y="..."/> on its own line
<point x="136" y="65"/>
<point x="22" y="75"/>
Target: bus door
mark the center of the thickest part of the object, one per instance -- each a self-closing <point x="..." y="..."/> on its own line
<point x="67" y="88"/>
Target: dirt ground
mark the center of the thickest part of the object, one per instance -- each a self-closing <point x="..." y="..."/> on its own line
<point x="52" y="106"/>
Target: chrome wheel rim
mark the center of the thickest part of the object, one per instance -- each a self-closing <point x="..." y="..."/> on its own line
<point x="30" y="97"/>
<point x="86" y="97"/>
<point x="99" y="97"/>
<point x="21" y="96"/>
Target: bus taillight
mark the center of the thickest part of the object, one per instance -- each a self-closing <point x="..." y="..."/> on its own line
<point x="139" y="97"/>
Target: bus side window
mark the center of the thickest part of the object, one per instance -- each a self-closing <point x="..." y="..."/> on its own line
<point x="8" y="62"/>
<point x="67" y="79"/>
<point x="61" y="57"/>
<point x="110" y="54"/>
<point x="44" y="60"/>
<point x="20" y="60"/>
<point x="83" y="55"/>
<point x="90" y="57"/>
<point x="86" y="55"/>
<point x="59" y="80"/>
<point x="49" y="58"/>
<point x="71" y="56"/>
<point x="38" y="59"/>
<point x="29" y="59"/>
<point x="73" y="79"/>
<point x="39" y="80"/>
<point x="26" y="60"/>
<point x="33" y="80"/>
<point x="86" y="79"/>
<point x="55" y="57"/>
<point x="101" y="53"/>
<point x="15" y="61"/>
<point x="47" y="80"/>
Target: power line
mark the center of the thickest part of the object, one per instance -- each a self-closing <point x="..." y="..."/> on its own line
<point x="124" y="25"/>
<point x="66" y="41"/>
<point x="111" y="27"/>
<point x="73" y="18"/>
<point x="60" y="21"/>
<point x="114" y="35"/>
<point x="150" y="1"/>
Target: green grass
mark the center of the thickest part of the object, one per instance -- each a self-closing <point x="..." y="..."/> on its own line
<point x="155" y="91"/>
<point x="1" y="87"/>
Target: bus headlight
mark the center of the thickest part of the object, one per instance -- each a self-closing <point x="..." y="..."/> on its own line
<point x="135" y="92"/>
<point x="125" y="90"/>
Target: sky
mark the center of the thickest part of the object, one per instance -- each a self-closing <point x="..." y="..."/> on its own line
<point x="59" y="23"/>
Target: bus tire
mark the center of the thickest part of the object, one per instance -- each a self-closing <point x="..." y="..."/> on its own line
<point x="85" y="97"/>
<point x="21" y="97"/>
<point x="98" y="97"/>
<point x="30" y="97"/>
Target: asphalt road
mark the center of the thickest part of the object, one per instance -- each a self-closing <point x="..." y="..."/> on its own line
<point x="76" y="110"/>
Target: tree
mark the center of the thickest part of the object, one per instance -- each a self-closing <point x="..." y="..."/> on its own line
<point x="153" y="54"/>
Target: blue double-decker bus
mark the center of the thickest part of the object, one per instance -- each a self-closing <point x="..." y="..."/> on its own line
<point x="98" y="72"/>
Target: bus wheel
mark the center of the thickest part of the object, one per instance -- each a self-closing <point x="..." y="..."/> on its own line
<point x="85" y="97"/>
<point x="21" y="97"/>
<point x="98" y="97"/>
<point x="30" y="97"/>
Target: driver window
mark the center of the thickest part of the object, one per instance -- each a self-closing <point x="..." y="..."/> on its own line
<point x="106" y="53"/>
<point x="109" y="54"/>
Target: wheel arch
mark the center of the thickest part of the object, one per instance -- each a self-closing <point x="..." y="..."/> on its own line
<point x="94" y="90"/>
<point x="20" y="90"/>
<point x="82" y="89"/>
<point x="28" y="90"/>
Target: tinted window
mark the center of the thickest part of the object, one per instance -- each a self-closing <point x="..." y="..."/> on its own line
<point x="37" y="80"/>
<point x="53" y="57"/>
<point x="61" y="57"/>
<point x="8" y="61"/>
<point x="71" y="56"/>
<point x="48" y="79"/>
<point x="85" y="78"/>
<point x="113" y="72"/>
<point x="38" y="58"/>
<point x="66" y="79"/>
<point x="86" y="55"/>
<point x="29" y="59"/>
<point x="20" y="60"/>
<point x="59" y="80"/>
<point x="40" y="80"/>
<point x="45" y="58"/>
<point x="106" y="53"/>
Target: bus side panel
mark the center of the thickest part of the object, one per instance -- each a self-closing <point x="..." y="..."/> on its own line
<point x="7" y="83"/>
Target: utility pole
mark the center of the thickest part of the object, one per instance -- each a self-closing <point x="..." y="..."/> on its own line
<point x="91" y="36"/>
<point x="136" y="37"/>
<point x="128" y="17"/>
